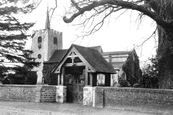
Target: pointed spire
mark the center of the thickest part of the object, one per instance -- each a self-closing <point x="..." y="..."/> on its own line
<point x="47" y="25"/>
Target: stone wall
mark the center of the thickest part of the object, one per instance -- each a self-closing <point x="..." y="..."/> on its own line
<point x="28" y="93"/>
<point x="98" y="97"/>
<point x="110" y="96"/>
<point x="48" y="94"/>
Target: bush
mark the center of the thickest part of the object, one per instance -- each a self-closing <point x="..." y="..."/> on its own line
<point x="150" y="74"/>
<point x="123" y="83"/>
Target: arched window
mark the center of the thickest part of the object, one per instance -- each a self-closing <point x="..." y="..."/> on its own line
<point x="55" y="40"/>
<point x="39" y="39"/>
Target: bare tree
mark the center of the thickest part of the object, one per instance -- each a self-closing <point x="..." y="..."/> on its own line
<point x="161" y="11"/>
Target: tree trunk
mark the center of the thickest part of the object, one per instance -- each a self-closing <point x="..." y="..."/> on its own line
<point x="165" y="58"/>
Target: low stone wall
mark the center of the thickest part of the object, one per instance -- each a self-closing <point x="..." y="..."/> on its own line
<point x="19" y="93"/>
<point x="110" y="96"/>
<point x="28" y="93"/>
<point x="48" y="94"/>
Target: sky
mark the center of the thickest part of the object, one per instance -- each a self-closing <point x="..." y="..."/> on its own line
<point x="122" y="34"/>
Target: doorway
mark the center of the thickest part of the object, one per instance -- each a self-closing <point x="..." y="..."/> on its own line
<point x="75" y="81"/>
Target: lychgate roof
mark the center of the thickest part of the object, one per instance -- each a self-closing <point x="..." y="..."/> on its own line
<point x="95" y="59"/>
<point x="92" y="57"/>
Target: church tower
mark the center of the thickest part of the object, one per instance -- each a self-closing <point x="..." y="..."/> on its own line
<point x="44" y="44"/>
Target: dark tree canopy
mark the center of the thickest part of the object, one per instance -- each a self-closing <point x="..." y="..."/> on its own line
<point x="13" y="35"/>
<point x="161" y="11"/>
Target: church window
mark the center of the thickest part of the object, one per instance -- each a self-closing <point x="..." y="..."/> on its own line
<point x="39" y="39"/>
<point x="39" y="46"/>
<point x="55" y="40"/>
<point x="39" y="56"/>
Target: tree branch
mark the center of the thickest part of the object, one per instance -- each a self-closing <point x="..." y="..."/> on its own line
<point x="53" y="9"/>
<point x="123" y="4"/>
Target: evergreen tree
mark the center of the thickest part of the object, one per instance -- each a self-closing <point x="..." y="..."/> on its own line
<point x="13" y="36"/>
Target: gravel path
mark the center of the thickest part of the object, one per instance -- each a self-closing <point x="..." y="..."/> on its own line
<point x="30" y="108"/>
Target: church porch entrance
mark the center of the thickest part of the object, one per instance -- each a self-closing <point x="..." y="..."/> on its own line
<point x="74" y="80"/>
<point x="80" y="67"/>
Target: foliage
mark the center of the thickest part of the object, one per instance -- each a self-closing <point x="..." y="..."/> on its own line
<point x="132" y="69"/>
<point x="49" y="78"/>
<point x="2" y="72"/>
<point x="123" y="83"/>
<point x="13" y="37"/>
<point x="30" y="77"/>
<point x="150" y="74"/>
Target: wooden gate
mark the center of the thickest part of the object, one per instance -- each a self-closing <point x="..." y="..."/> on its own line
<point x="75" y="84"/>
<point x="75" y="93"/>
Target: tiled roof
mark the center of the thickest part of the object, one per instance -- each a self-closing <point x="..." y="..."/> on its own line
<point x="95" y="59"/>
<point x="57" y="56"/>
<point x="99" y="48"/>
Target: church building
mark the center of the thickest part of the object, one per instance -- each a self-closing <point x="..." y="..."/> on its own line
<point x="44" y="43"/>
<point x="80" y="66"/>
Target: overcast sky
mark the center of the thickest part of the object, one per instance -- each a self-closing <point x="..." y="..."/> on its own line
<point x="116" y="35"/>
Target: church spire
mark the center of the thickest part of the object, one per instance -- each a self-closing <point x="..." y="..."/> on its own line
<point x="47" y="24"/>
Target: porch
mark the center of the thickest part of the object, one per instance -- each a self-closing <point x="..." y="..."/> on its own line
<point x="76" y="78"/>
<point x="81" y="67"/>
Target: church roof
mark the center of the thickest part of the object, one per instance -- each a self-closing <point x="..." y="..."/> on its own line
<point x="118" y="65"/>
<point x="117" y="53"/>
<point x="57" y="56"/>
<point x="118" y="58"/>
<point x="99" y="48"/>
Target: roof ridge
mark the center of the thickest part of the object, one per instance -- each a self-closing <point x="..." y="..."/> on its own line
<point x="85" y="47"/>
<point x="116" y="52"/>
